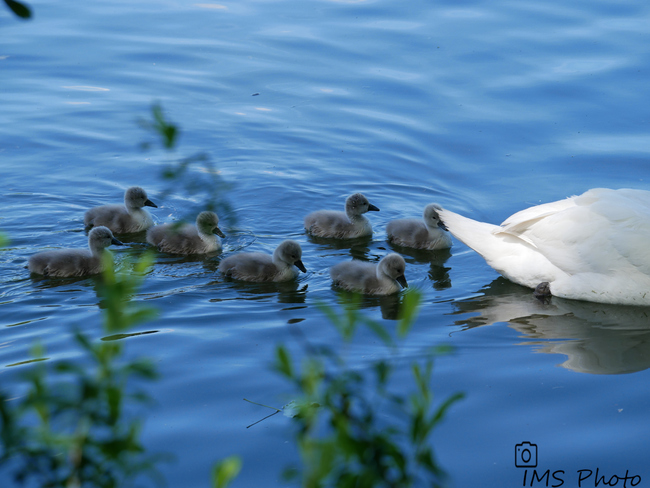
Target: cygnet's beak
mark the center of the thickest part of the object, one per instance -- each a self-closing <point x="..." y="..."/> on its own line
<point x="149" y="203"/>
<point x="442" y="225"/>
<point x="217" y="231"/>
<point x="300" y="266"/>
<point x="116" y="242"/>
<point x="402" y="281"/>
<point x="372" y="207"/>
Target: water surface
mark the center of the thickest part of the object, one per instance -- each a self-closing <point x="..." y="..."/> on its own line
<point x="484" y="107"/>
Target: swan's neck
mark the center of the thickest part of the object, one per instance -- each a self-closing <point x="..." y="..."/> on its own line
<point x="133" y="209"/>
<point x="130" y="206"/>
<point x="278" y="261"/>
<point x="383" y="277"/>
<point x="97" y="250"/>
<point x="432" y="229"/>
<point x="140" y="215"/>
<point x="209" y="239"/>
<point x="358" y="220"/>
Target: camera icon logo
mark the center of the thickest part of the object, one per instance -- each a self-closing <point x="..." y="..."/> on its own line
<point x="526" y="455"/>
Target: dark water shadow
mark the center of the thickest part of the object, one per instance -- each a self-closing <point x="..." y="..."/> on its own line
<point x="291" y="292"/>
<point x="438" y="257"/>
<point x="359" y="247"/>
<point x="209" y="260"/>
<point x="596" y="338"/>
<point x="389" y="305"/>
<point x="44" y="282"/>
<point x="438" y="272"/>
<point x="129" y="238"/>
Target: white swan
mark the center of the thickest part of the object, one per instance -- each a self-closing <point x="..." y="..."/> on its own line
<point x="188" y="238"/>
<point x="383" y="278"/>
<point x="428" y="233"/>
<point x="342" y="225"/>
<point x="595" y="246"/>
<point x="74" y="262"/>
<point x="258" y="267"/>
<point x="123" y="219"/>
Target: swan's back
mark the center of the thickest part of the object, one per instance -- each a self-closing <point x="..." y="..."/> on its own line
<point x="123" y="219"/>
<point x="375" y="279"/>
<point x="74" y="262"/>
<point x="589" y="247"/>
<point x="178" y="239"/>
<point x="261" y="267"/>
<point x="249" y="266"/>
<point x="601" y="231"/>
<point x="188" y="238"/>
<point x="64" y="262"/>
<point x="336" y="225"/>
<point x="342" y="225"/>
<point x="354" y="275"/>
<point x="419" y="234"/>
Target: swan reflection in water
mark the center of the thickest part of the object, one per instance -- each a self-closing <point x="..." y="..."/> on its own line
<point x="596" y="338"/>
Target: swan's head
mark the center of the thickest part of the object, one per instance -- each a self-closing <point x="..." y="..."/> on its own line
<point x="290" y="252"/>
<point x="393" y="266"/>
<point x="101" y="237"/>
<point x="136" y="197"/>
<point x="358" y="204"/>
<point x="431" y="216"/>
<point x="208" y="223"/>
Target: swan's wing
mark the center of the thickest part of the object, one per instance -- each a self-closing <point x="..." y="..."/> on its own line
<point x="521" y="222"/>
<point x="627" y="213"/>
<point x="601" y="231"/>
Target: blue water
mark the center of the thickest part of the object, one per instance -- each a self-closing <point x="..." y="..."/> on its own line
<point x="483" y="107"/>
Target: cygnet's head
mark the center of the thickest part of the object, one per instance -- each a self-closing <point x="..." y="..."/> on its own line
<point x="393" y="266"/>
<point x="101" y="237"/>
<point x="431" y="216"/>
<point x="136" y="197"/>
<point x="208" y="223"/>
<point x="290" y="252"/>
<point x="358" y="204"/>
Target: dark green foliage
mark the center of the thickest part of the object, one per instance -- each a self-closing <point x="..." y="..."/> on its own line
<point x="70" y="428"/>
<point x="20" y="9"/>
<point x="344" y="434"/>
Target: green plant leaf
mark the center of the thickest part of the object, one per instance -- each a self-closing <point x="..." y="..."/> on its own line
<point x="20" y="9"/>
<point x="380" y="332"/>
<point x="408" y="311"/>
<point x="283" y="361"/>
<point x="383" y="370"/>
<point x="442" y="410"/>
<point x="225" y="471"/>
